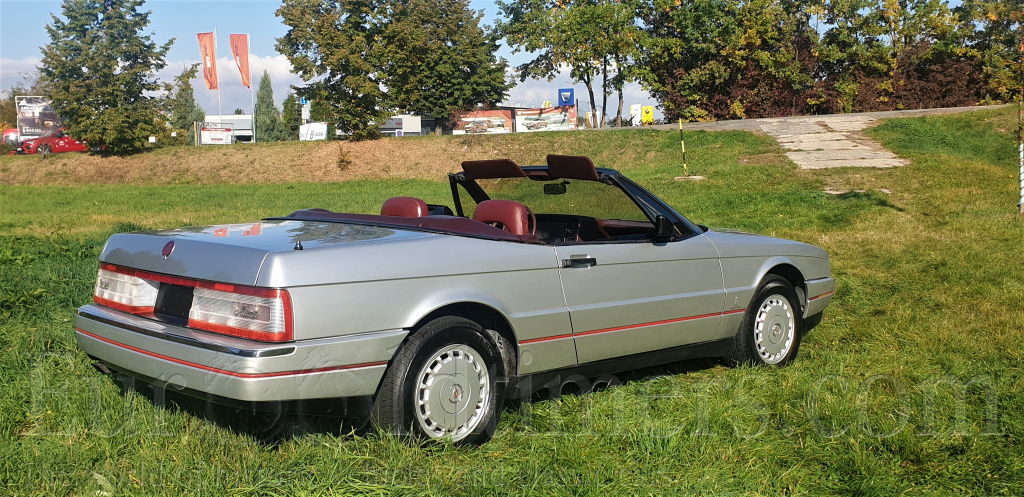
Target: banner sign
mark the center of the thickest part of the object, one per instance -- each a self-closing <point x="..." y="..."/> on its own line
<point x="634" y="114"/>
<point x="240" y="50"/>
<point x="484" y="122"/>
<point x="566" y="97"/>
<point x="547" y="119"/>
<point x="36" y="117"/>
<point x="648" y="117"/>
<point x="207" y="52"/>
<point x="313" y="131"/>
<point x="216" y="134"/>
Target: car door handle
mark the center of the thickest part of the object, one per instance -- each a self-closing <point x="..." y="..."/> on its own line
<point x="579" y="262"/>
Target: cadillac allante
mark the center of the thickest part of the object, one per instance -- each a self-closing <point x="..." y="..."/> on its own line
<point x="425" y="318"/>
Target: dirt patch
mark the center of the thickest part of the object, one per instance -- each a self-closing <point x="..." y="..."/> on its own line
<point x="768" y="159"/>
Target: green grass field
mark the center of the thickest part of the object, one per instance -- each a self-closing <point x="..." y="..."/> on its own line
<point x="913" y="384"/>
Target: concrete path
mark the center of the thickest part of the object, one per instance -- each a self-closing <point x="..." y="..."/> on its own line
<point x="819" y="142"/>
<point x="830" y="141"/>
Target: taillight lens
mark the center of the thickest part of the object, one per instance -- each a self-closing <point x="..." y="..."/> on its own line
<point x="247" y="312"/>
<point x="125" y="292"/>
<point x="237" y="310"/>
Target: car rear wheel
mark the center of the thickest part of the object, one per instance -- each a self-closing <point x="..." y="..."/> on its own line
<point x="442" y="384"/>
<point x="771" y="328"/>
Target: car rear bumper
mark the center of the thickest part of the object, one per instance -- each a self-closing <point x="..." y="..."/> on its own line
<point x="238" y="369"/>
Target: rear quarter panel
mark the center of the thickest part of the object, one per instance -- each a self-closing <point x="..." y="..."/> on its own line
<point x="338" y="291"/>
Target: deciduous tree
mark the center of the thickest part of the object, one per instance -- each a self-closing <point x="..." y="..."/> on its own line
<point x="364" y="59"/>
<point x="181" y="104"/>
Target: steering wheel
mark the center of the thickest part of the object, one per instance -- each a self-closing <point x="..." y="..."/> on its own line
<point x="531" y="226"/>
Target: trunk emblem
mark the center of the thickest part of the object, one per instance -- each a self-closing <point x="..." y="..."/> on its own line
<point x="166" y="252"/>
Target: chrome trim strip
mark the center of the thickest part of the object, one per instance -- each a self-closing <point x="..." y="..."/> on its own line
<point x="216" y="347"/>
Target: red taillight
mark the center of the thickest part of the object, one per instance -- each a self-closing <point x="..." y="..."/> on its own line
<point x="247" y="312"/>
<point x="238" y="310"/>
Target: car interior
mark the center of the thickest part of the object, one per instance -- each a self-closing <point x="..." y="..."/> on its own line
<point x="520" y="220"/>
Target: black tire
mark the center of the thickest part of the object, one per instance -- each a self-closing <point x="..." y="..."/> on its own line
<point x="775" y="308"/>
<point x="464" y="374"/>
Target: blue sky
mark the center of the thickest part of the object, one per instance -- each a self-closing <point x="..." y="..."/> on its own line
<point x="23" y="31"/>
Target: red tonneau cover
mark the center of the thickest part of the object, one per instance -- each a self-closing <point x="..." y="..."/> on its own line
<point x="442" y="224"/>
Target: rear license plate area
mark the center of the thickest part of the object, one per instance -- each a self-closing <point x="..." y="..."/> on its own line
<point x="173" y="302"/>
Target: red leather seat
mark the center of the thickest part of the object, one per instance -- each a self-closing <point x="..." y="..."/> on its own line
<point x="404" y="207"/>
<point x="507" y="214"/>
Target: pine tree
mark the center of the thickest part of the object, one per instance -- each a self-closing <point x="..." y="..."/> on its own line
<point x="182" y="105"/>
<point x="291" y="117"/>
<point x="268" y="119"/>
<point x="99" y="68"/>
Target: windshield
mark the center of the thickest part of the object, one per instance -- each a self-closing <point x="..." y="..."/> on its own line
<point x="579" y="198"/>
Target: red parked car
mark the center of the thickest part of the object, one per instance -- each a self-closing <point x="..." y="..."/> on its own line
<point x="56" y="143"/>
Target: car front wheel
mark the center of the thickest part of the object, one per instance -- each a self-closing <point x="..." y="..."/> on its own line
<point x="771" y="328"/>
<point x="443" y="384"/>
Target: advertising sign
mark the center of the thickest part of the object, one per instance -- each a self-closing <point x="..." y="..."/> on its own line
<point x="484" y="122"/>
<point x="216" y="134"/>
<point x="35" y="117"/>
<point x="566" y="97"/>
<point x="313" y="131"/>
<point x="634" y="114"/>
<point x="546" y="119"/>
<point x="240" y="50"/>
<point x="208" y="54"/>
<point x="648" y="117"/>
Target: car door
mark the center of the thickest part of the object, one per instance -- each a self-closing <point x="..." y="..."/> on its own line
<point x="631" y="297"/>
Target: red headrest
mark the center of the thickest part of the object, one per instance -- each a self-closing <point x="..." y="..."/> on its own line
<point x="494" y="168"/>
<point x="510" y="215"/>
<point x="404" y="207"/>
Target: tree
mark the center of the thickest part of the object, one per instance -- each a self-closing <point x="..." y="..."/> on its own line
<point x="591" y="37"/>
<point x="239" y="111"/>
<point x="363" y="59"/>
<point x="290" y="117"/>
<point x="100" y="69"/>
<point x="268" y="119"/>
<point x="439" y="61"/>
<point x="181" y="104"/>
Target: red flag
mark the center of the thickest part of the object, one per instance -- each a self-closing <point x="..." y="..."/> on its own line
<point x="240" y="49"/>
<point x="209" y="55"/>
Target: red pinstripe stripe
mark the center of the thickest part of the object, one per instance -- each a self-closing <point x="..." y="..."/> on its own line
<point x="824" y="295"/>
<point x="633" y="326"/>
<point x="230" y="373"/>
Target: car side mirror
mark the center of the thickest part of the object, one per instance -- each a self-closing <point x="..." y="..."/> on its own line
<point x="664" y="230"/>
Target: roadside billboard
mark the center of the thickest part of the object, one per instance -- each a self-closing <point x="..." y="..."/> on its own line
<point x="313" y="131"/>
<point x="216" y="134"/>
<point x="484" y="122"/>
<point x="36" y="117"/>
<point x="546" y="119"/>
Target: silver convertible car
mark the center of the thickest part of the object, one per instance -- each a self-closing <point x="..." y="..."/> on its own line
<point x="425" y="318"/>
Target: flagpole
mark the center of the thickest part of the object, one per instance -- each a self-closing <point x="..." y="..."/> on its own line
<point x="252" y="100"/>
<point x="220" y="109"/>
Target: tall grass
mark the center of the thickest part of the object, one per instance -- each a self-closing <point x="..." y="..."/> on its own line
<point x="911" y="385"/>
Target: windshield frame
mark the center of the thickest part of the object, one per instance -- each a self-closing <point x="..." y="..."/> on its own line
<point x="647" y="202"/>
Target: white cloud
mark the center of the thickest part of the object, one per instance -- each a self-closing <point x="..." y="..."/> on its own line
<point x="14" y="71"/>
<point x="233" y="95"/>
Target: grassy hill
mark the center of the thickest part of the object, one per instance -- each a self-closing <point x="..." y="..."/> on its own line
<point x="913" y="383"/>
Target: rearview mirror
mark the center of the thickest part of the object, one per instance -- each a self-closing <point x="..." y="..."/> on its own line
<point x="554" y="188"/>
<point x="664" y="230"/>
